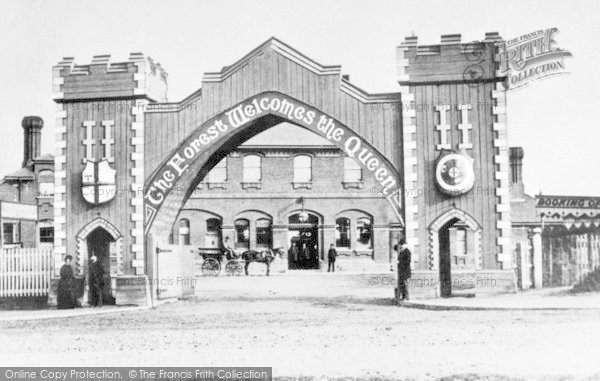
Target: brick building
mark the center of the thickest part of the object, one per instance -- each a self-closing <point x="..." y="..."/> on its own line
<point x="258" y="193"/>
<point x="27" y="194"/>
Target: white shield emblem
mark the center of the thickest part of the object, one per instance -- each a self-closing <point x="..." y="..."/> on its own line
<point x="98" y="183"/>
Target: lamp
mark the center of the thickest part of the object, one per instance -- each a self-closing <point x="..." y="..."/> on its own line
<point x="303" y="217"/>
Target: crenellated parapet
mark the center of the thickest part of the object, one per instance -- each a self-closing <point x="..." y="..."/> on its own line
<point x="138" y="77"/>
<point x="450" y="61"/>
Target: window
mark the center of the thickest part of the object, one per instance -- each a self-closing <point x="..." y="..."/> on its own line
<point x="251" y="166"/>
<point x="184" y="231"/>
<point x="302" y="169"/>
<point x="242" y="233"/>
<point x="264" y="234"/>
<point x="46" y="189"/>
<point x="213" y="225"/>
<point x="219" y="173"/>
<point x="364" y="233"/>
<point x="461" y="242"/>
<point x="342" y="232"/>
<point x="10" y="233"/>
<point x="47" y="235"/>
<point x="212" y="237"/>
<point x="352" y="170"/>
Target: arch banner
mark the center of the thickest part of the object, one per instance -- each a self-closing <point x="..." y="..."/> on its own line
<point x="216" y="132"/>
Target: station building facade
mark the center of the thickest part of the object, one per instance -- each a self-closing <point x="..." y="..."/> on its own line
<point x="280" y="196"/>
<point x="131" y="168"/>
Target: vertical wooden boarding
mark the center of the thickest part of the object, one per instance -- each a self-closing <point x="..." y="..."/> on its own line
<point x="25" y="272"/>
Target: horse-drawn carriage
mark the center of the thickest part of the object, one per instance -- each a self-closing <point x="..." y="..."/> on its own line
<point x="235" y="262"/>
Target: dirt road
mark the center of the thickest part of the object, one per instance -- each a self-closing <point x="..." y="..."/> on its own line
<point x="313" y="326"/>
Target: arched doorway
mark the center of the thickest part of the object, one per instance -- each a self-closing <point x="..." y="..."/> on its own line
<point x="102" y="239"/>
<point x="303" y="240"/>
<point x="100" y="243"/>
<point x="455" y="238"/>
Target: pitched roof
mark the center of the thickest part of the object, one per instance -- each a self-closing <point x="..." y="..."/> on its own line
<point x="21" y="174"/>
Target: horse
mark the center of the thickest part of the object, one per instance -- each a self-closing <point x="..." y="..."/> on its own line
<point x="266" y="257"/>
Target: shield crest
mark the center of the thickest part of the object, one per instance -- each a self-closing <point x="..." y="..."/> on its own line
<point x="88" y="182"/>
<point x="98" y="183"/>
<point x="106" y="182"/>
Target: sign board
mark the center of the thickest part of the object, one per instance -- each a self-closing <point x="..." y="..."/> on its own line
<point x="568" y="202"/>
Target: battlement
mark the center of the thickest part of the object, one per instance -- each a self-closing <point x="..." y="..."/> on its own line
<point x="450" y="61"/>
<point x="138" y="77"/>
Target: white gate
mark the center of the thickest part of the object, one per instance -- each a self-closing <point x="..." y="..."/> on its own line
<point x="25" y="272"/>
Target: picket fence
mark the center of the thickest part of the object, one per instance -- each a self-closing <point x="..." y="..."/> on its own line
<point x="25" y="272"/>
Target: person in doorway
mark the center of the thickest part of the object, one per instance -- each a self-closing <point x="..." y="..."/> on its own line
<point x="331" y="256"/>
<point x="64" y="296"/>
<point x="295" y="253"/>
<point x="403" y="269"/>
<point x="305" y="255"/>
<point x="96" y="281"/>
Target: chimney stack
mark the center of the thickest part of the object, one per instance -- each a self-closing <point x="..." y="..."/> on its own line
<point x="517" y="188"/>
<point x="516" y="164"/>
<point x="32" y="138"/>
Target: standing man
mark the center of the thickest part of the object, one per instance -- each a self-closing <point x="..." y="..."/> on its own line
<point x="305" y="255"/>
<point x="331" y="255"/>
<point x="403" y="269"/>
<point x="295" y="253"/>
<point x="96" y="281"/>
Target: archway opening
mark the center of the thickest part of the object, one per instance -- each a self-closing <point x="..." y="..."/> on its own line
<point x="187" y="164"/>
<point x="102" y="244"/>
<point x="456" y="255"/>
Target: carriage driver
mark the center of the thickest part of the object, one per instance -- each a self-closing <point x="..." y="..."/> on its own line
<point x="229" y="251"/>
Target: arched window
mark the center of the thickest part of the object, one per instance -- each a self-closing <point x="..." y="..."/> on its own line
<point x="352" y="170"/>
<point x="213" y="233"/>
<point x="184" y="231"/>
<point x="219" y="172"/>
<point x="364" y="233"/>
<point x="251" y="167"/>
<point x="302" y="169"/>
<point x="242" y="233"/>
<point x="264" y="233"/>
<point x="342" y="232"/>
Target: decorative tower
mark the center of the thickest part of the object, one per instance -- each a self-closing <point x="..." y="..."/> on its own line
<point x="456" y="157"/>
<point x="99" y="163"/>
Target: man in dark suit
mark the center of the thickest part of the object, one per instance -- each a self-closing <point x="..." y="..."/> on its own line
<point x="96" y="279"/>
<point x="403" y="269"/>
<point x="331" y="256"/>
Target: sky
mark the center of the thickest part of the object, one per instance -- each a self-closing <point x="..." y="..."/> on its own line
<point x="553" y="120"/>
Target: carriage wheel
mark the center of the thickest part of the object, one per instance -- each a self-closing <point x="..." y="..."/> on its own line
<point x="231" y="268"/>
<point x="238" y="269"/>
<point x="211" y="267"/>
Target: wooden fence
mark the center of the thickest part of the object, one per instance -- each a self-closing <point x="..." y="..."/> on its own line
<point x="569" y="258"/>
<point x="25" y="272"/>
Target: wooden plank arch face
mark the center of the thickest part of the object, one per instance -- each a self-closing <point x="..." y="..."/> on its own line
<point x="169" y="186"/>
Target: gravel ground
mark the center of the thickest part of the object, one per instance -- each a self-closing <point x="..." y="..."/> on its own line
<point x="308" y="326"/>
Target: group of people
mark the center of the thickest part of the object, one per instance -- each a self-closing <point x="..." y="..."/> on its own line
<point x="300" y="256"/>
<point x="66" y="293"/>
